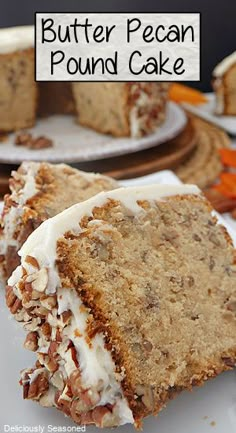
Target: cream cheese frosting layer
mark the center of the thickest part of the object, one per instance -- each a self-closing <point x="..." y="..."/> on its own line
<point x="16" y="38"/>
<point x="13" y="217"/>
<point x="224" y="65"/>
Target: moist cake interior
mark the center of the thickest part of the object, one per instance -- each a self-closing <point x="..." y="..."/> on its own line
<point x="163" y="281"/>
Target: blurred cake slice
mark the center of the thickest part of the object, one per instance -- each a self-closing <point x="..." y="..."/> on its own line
<point x="121" y="109"/>
<point x="38" y="192"/>
<point x="128" y="298"/>
<point x="18" y="89"/>
<point x="224" y="85"/>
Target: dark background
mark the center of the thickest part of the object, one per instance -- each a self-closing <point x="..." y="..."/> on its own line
<point x="218" y="20"/>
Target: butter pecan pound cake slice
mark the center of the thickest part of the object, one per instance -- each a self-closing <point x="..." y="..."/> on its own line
<point x="121" y="109"/>
<point x="40" y="191"/>
<point x="128" y="298"/>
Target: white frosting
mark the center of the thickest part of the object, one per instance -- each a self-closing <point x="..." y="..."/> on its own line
<point x="134" y="119"/>
<point x="54" y="228"/>
<point x="224" y="65"/>
<point x="13" y="217"/>
<point x="16" y="38"/>
<point x="96" y="364"/>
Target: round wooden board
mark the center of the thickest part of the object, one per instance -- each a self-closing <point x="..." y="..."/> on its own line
<point x="168" y="155"/>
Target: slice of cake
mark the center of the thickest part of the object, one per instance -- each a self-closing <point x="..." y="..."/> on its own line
<point x="18" y="90"/>
<point x="224" y="85"/>
<point x="128" y="298"/>
<point x="38" y="192"/>
<point x="121" y="109"/>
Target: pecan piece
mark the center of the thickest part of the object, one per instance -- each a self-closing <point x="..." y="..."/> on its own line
<point x="230" y="362"/>
<point x="41" y="280"/>
<point x="32" y="261"/>
<point x="10" y="296"/>
<point x="48" y="302"/>
<point x="38" y="387"/>
<point x="46" y="330"/>
<point x="40" y="143"/>
<point x="31" y="341"/>
<point x="23" y="138"/>
<point x="75" y="383"/>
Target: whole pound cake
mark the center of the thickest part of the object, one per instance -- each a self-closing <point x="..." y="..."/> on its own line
<point x="128" y="299"/>
<point x="38" y="192"/>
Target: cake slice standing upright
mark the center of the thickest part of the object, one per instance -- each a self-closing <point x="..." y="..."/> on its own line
<point x="121" y="109"/>
<point x="128" y="298"/>
<point x="224" y="85"/>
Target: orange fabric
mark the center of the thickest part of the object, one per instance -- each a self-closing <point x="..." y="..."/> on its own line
<point x="227" y="185"/>
<point x="181" y="93"/>
<point x="228" y="157"/>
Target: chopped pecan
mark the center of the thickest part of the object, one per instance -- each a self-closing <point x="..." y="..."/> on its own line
<point x="147" y="345"/>
<point x="103" y="417"/>
<point x="146" y="394"/>
<point x="48" y="302"/>
<point x="66" y="315"/>
<point x="31" y="341"/>
<point x="58" y="336"/>
<point x="23" y="138"/>
<point x="231" y="306"/>
<point x="10" y="296"/>
<point x="25" y="390"/>
<point x="75" y="383"/>
<point x="230" y="362"/>
<point x="41" y="280"/>
<point x="32" y="261"/>
<point x="38" y="387"/>
<point x="40" y="143"/>
<point x="62" y="404"/>
<point x="46" y="330"/>
<point x="74" y="356"/>
<point x="14" y="304"/>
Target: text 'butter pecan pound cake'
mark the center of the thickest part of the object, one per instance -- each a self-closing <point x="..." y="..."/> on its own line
<point x="40" y="191"/>
<point x="128" y="298"/>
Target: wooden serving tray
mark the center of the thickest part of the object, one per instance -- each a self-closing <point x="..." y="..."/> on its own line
<point x="166" y="155"/>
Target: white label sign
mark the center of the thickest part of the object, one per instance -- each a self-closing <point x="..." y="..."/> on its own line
<point x="117" y="47"/>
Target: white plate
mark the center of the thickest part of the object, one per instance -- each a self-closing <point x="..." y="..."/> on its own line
<point x="206" y="111"/>
<point x="212" y="405"/>
<point x="74" y="143"/>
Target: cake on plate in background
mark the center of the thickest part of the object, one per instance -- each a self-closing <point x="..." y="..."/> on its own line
<point x="224" y="85"/>
<point x="121" y="109"/>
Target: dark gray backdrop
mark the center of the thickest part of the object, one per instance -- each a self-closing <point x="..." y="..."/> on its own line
<point x="218" y="20"/>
